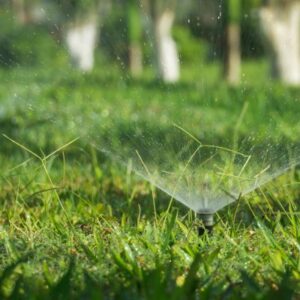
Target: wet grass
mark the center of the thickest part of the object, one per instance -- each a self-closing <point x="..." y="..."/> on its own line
<point x="75" y="225"/>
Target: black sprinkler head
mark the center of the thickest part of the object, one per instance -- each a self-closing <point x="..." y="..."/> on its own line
<point x="208" y="223"/>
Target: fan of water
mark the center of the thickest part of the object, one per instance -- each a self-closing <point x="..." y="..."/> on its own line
<point x="187" y="155"/>
<point x="204" y="176"/>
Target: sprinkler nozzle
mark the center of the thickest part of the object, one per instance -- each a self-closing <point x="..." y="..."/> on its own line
<point x="208" y="223"/>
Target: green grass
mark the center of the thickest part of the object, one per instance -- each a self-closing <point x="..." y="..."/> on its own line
<point x="77" y="225"/>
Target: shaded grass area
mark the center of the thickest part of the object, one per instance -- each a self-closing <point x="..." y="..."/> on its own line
<point x="65" y="104"/>
<point x="75" y="225"/>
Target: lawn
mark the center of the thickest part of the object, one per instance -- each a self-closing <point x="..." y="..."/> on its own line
<point x="76" y="223"/>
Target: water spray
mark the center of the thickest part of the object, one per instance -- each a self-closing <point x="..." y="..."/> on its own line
<point x="207" y="218"/>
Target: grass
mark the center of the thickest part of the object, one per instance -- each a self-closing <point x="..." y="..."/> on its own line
<point x="76" y="225"/>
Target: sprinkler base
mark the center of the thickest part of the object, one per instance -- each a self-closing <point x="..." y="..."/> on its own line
<point x="208" y="223"/>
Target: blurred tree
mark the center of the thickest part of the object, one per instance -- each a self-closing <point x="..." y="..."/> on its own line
<point x="81" y="38"/>
<point x="280" y="22"/>
<point x="21" y="10"/>
<point x="232" y="34"/>
<point x="135" y="56"/>
<point x="81" y="29"/>
<point x="166" y="56"/>
<point x="24" y="10"/>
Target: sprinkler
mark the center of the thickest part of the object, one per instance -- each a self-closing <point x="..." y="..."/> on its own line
<point x="207" y="218"/>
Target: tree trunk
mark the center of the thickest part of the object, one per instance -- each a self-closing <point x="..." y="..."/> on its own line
<point x="281" y="27"/>
<point x="81" y="38"/>
<point x="135" y="59"/>
<point x="167" y="59"/>
<point x="232" y="57"/>
<point x="21" y="11"/>
<point x="135" y="56"/>
<point x="233" y="54"/>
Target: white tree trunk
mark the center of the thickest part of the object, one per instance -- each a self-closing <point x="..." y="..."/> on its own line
<point x="81" y="39"/>
<point x="281" y="26"/>
<point x="166" y="51"/>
